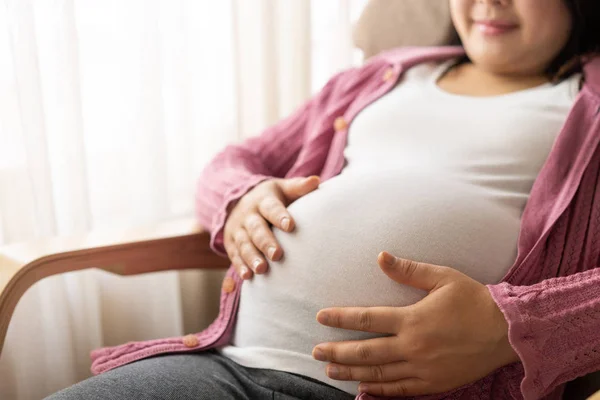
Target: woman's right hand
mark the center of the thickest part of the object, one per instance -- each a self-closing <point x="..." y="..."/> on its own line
<point x="247" y="234"/>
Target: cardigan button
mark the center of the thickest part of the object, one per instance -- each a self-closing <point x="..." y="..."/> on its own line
<point x="190" y="341"/>
<point x="340" y="124"/>
<point x="388" y="74"/>
<point x="228" y="285"/>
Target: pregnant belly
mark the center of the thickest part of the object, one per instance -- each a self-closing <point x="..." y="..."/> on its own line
<point x="331" y="257"/>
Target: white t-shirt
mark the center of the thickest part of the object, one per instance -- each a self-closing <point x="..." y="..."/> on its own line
<point x="430" y="176"/>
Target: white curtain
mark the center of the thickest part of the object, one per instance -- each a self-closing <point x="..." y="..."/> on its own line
<point x="108" y="112"/>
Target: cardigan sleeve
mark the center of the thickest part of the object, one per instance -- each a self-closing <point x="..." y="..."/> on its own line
<point x="241" y="166"/>
<point x="554" y="326"/>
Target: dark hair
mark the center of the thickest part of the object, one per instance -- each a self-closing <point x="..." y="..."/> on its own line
<point x="583" y="43"/>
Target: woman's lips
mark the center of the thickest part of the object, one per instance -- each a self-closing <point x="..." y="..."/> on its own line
<point x="494" y="28"/>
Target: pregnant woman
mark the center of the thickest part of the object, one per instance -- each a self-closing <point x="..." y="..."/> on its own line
<point x="426" y="225"/>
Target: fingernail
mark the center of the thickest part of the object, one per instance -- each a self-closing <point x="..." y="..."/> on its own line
<point x="388" y="258"/>
<point x="271" y="253"/>
<point x="323" y="318"/>
<point x="363" y="388"/>
<point x="256" y="264"/>
<point x="318" y="354"/>
<point x="245" y="273"/>
<point x="333" y="372"/>
<point x="285" y="223"/>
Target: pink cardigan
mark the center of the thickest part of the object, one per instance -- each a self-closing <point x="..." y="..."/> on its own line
<point x="550" y="296"/>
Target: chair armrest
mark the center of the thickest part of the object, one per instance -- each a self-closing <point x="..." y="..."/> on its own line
<point x="173" y="245"/>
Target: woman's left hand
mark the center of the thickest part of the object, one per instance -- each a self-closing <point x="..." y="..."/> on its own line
<point x="454" y="336"/>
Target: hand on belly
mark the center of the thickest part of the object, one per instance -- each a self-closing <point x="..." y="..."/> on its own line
<point x="330" y="260"/>
<point x="454" y="336"/>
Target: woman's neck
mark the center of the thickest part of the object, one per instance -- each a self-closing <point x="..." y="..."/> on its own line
<point x="470" y="80"/>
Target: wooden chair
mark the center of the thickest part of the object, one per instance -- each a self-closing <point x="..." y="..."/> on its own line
<point x="183" y="244"/>
<point x="173" y="245"/>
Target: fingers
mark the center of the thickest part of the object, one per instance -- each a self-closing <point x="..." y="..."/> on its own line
<point x="416" y="274"/>
<point x="238" y="263"/>
<point x="249" y="253"/>
<point x="274" y="211"/>
<point x="358" y="352"/>
<point x="297" y="187"/>
<point x="251" y="238"/>
<point x="248" y="236"/>
<point x="366" y="319"/>
<point x="262" y="237"/>
<point x="371" y="373"/>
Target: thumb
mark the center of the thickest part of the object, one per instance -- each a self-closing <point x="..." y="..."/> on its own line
<point x="416" y="274"/>
<point x="297" y="187"/>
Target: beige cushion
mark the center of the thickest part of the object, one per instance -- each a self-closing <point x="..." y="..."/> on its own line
<point x="385" y="24"/>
